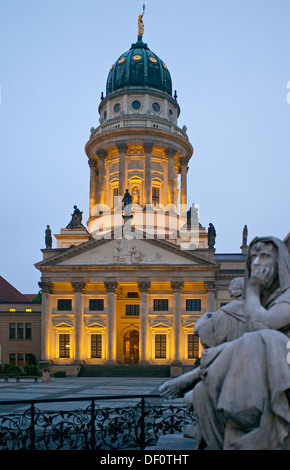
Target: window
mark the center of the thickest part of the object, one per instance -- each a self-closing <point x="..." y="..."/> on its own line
<point x="116" y="192"/>
<point x="193" y="305"/>
<point x="96" y="346"/>
<point x="64" y="304"/>
<point x="12" y="359"/>
<point x="160" y="346"/>
<point x="132" y="295"/>
<point x="12" y="330"/>
<point x="132" y="309"/>
<point x="192" y="346"/>
<point x="20" y="359"/>
<point x="96" y="304"/>
<point x="19" y="330"/>
<point x="155" y="195"/>
<point x="28" y="330"/>
<point x="160" y="305"/>
<point x="64" y="345"/>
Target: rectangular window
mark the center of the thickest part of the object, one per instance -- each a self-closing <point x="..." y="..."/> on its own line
<point x="132" y="309"/>
<point x="160" y="305"/>
<point x="64" y="304"/>
<point x="64" y="346"/>
<point x="96" y="304"/>
<point x="20" y="359"/>
<point x="12" y="331"/>
<point x="19" y="330"/>
<point x="160" y="346"/>
<point x="12" y="359"/>
<point x="193" y="305"/>
<point x="155" y="195"/>
<point x="96" y="346"/>
<point x="132" y="295"/>
<point x="192" y="346"/>
<point x="28" y="330"/>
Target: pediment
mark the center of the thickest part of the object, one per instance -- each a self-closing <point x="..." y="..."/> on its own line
<point x="123" y="251"/>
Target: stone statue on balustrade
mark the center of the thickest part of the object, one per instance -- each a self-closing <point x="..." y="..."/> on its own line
<point x="211" y="235"/>
<point x="127" y="201"/>
<point x="241" y="390"/>
<point x="48" y="237"/>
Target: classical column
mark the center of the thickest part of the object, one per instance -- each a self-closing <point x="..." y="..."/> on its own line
<point x="177" y="287"/>
<point x="93" y="183"/>
<point x="78" y="288"/>
<point x="46" y="321"/>
<point x="148" y="147"/>
<point x="170" y="155"/>
<point x="183" y="185"/>
<point x="211" y="294"/>
<point x="122" y="149"/>
<point x="101" y="153"/>
<point x="144" y="287"/>
<point x="112" y="327"/>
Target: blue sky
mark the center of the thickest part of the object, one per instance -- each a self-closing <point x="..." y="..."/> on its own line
<point x="229" y="62"/>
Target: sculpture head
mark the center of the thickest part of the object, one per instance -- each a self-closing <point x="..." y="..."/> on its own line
<point x="270" y="254"/>
<point x="236" y="288"/>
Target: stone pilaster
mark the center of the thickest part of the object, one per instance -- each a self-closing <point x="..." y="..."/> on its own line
<point x="79" y="321"/>
<point x="101" y="153"/>
<point x="176" y="366"/>
<point x="122" y="149"/>
<point x="144" y="287"/>
<point x="46" y="321"/>
<point x="93" y="184"/>
<point x="148" y="147"/>
<point x="170" y="155"/>
<point x="111" y="288"/>
<point x="211" y="295"/>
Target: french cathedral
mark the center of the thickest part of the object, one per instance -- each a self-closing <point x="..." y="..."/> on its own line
<point x="126" y="287"/>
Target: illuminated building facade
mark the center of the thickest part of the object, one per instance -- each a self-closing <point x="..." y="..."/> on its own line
<point x="129" y="288"/>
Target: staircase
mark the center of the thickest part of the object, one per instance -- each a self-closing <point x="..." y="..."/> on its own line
<point x="122" y="370"/>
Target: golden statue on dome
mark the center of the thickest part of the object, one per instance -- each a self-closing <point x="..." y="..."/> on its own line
<point x="140" y="24"/>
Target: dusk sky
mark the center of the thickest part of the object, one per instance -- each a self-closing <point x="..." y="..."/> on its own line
<point x="230" y="64"/>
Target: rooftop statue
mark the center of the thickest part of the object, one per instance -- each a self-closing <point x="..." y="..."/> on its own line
<point x="241" y="391"/>
<point x="48" y="238"/>
<point x="140" y="23"/>
<point x="76" y="218"/>
<point x="211" y="236"/>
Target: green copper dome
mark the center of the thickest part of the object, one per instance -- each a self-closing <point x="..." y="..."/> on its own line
<point x="139" y="67"/>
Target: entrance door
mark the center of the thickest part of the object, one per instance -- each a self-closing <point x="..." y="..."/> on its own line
<point x="131" y="347"/>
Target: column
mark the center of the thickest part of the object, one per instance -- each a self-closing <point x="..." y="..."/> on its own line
<point x="112" y="327"/>
<point x="101" y="153"/>
<point x="183" y="185"/>
<point x="80" y="352"/>
<point x="93" y="184"/>
<point x="170" y="155"/>
<point x="211" y="294"/>
<point x="122" y="149"/>
<point x="144" y="287"/>
<point x="177" y="287"/>
<point x="148" y="147"/>
<point x="46" y="323"/>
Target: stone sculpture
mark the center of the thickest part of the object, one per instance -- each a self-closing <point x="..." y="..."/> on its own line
<point x="48" y="238"/>
<point x="211" y="233"/>
<point x="241" y="391"/>
<point x="76" y="218"/>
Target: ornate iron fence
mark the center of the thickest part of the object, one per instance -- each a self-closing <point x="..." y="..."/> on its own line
<point x="92" y="427"/>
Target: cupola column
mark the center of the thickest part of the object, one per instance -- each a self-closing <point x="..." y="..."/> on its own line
<point x="183" y="185"/>
<point x="93" y="184"/>
<point x="148" y="147"/>
<point x="170" y="155"/>
<point x="101" y="153"/>
<point x="122" y="149"/>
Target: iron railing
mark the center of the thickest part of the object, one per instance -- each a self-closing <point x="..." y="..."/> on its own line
<point x="134" y="424"/>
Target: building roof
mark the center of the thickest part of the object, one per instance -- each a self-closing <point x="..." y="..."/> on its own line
<point x="140" y="67"/>
<point x="8" y="293"/>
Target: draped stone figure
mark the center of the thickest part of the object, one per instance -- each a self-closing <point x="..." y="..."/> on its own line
<point x="241" y="391"/>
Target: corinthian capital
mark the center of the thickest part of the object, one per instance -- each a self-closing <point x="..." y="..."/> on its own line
<point x="122" y="147"/>
<point x="46" y="287"/>
<point x="171" y="151"/>
<point x="148" y="146"/>
<point x="92" y="163"/>
<point x="111" y="286"/>
<point x="177" y="286"/>
<point x="144" y="286"/>
<point x="101" y="153"/>
<point x="210" y="286"/>
<point x="78" y="286"/>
